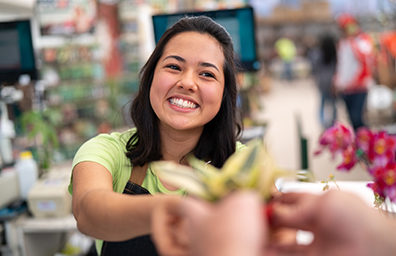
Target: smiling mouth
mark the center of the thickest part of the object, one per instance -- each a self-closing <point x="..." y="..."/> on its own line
<point x="182" y="103"/>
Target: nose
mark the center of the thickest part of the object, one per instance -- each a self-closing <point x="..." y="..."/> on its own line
<point x="187" y="81"/>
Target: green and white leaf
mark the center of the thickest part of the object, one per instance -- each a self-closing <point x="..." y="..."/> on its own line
<point x="249" y="168"/>
<point x="182" y="177"/>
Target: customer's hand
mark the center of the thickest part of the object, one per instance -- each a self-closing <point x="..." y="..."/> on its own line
<point x="234" y="226"/>
<point x="341" y="222"/>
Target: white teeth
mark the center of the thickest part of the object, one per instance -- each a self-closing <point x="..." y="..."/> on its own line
<point x="182" y="103"/>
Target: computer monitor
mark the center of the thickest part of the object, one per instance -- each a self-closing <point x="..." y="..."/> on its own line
<point x="239" y="22"/>
<point x="16" y="51"/>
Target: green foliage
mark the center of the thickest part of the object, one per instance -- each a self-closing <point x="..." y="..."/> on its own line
<point x="250" y="168"/>
<point x="326" y="182"/>
<point x="378" y="200"/>
<point x="40" y="127"/>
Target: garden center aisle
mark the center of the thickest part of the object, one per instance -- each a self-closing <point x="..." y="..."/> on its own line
<point x="280" y="107"/>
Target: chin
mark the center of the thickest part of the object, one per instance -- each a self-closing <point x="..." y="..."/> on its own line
<point x="185" y="127"/>
<point x="188" y="128"/>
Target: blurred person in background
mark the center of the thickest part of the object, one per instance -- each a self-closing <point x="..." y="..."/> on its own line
<point x="324" y="60"/>
<point x="286" y="51"/>
<point x="354" y="68"/>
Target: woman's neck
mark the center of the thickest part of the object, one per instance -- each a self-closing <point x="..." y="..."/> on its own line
<point x="175" y="145"/>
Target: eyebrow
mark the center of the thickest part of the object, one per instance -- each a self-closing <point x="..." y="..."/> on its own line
<point x="204" y="64"/>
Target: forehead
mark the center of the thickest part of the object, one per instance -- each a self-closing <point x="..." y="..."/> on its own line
<point x="195" y="44"/>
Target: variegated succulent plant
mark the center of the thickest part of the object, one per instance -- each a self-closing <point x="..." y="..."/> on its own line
<point x="249" y="168"/>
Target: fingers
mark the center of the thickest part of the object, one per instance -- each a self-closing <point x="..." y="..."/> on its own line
<point x="167" y="228"/>
<point x="292" y="197"/>
<point x="195" y="209"/>
<point x="237" y="217"/>
<point x="241" y="200"/>
<point x="232" y="226"/>
<point x="294" y="210"/>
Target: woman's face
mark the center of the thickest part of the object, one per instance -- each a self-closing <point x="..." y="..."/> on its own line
<point x="188" y="82"/>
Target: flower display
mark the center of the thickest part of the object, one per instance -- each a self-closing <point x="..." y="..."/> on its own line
<point x="375" y="150"/>
<point x="336" y="139"/>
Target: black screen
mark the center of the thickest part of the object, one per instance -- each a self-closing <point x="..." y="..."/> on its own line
<point x="16" y="51"/>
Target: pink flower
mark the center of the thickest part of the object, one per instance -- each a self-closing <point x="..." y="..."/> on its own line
<point x="364" y="139"/>
<point x="349" y="159"/>
<point x="336" y="139"/>
<point x="374" y="186"/>
<point x="391" y="193"/>
<point x="382" y="150"/>
<point x="385" y="180"/>
<point x="375" y="150"/>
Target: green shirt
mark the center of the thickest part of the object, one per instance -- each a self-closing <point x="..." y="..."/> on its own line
<point x="109" y="150"/>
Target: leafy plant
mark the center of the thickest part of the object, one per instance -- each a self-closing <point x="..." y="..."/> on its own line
<point x="40" y="127"/>
<point x="249" y="168"/>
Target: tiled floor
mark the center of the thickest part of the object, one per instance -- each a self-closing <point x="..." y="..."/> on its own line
<point x="280" y="106"/>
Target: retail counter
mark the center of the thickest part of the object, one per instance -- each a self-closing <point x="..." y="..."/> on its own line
<point x="47" y="230"/>
<point x="43" y="236"/>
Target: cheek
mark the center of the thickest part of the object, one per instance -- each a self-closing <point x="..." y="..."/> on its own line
<point x="214" y="97"/>
<point x="161" y="82"/>
<point x="155" y="94"/>
<point x="158" y="89"/>
<point x="152" y="98"/>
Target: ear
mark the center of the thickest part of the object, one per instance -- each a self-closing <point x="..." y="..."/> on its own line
<point x="168" y="229"/>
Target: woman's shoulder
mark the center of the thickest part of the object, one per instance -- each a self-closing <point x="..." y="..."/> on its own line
<point x="108" y="149"/>
<point x="113" y="139"/>
<point x="120" y="136"/>
<point x="106" y="144"/>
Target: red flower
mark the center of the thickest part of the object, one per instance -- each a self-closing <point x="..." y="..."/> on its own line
<point x="382" y="150"/>
<point x="385" y="180"/>
<point x="374" y="186"/>
<point x="375" y="150"/>
<point x="349" y="159"/>
<point x="336" y="139"/>
<point x="364" y="139"/>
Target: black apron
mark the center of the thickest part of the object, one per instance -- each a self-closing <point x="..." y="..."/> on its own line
<point x="138" y="246"/>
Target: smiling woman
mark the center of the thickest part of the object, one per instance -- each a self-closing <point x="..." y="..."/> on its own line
<point x="187" y="89"/>
<point x="186" y="104"/>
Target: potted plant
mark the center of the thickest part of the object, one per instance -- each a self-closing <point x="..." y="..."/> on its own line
<point x="40" y="128"/>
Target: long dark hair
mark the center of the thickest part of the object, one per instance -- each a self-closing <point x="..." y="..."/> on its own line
<point x="218" y="139"/>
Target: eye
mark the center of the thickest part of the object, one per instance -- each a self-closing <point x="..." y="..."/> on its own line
<point x="173" y="67"/>
<point x="208" y="74"/>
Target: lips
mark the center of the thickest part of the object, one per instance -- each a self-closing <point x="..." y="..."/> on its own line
<point x="183" y="103"/>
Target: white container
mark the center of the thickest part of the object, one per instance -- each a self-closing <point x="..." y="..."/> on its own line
<point x="49" y="196"/>
<point x="27" y="170"/>
<point x="9" y="187"/>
